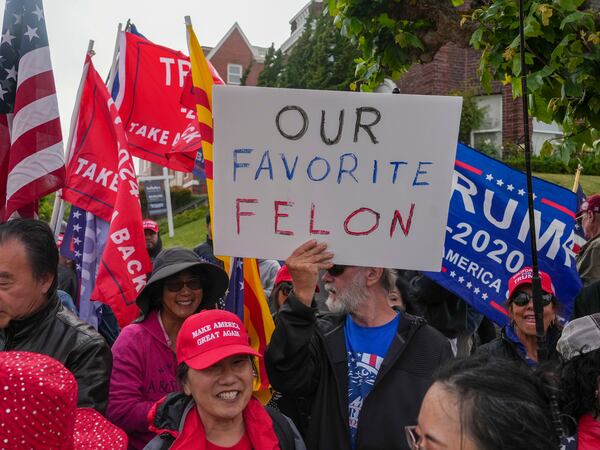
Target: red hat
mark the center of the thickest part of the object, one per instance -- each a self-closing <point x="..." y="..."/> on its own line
<point x="283" y="275"/>
<point x="524" y="276"/>
<point x="59" y="239"/>
<point x="211" y="336"/>
<point x="591" y="204"/>
<point x="39" y="408"/>
<point x="150" y="224"/>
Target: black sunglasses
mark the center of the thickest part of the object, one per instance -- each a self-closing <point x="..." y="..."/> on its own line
<point x="175" y="285"/>
<point x="336" y="270"/>
<point x="523" y="298"/>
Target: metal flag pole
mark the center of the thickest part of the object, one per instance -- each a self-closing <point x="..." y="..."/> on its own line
<point x="577" y="177"/>
<point x="113" y="67"/>
<point x="58" y="209"/>
<point x="536" y="286"/>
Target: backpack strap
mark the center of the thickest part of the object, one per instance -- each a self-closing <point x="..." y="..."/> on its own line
<point x="282" y="429"/>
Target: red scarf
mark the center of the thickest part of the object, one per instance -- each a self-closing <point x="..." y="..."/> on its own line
<point x="258" y="423"/>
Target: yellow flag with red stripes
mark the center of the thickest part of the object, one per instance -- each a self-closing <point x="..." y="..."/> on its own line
<point x="257" y="317"/>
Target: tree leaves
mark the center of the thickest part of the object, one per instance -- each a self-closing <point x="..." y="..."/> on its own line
<point x="562" y="51"/>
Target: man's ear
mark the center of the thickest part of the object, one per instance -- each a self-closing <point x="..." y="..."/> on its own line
<point x="46" y="282"/>
<point x="374" y="274"/>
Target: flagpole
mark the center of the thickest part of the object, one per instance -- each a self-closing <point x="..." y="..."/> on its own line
<point x="113" y="67"/>
<point x="538" y="308"/>
<point x="577" y="177"/>
<point x="59" y="204"/>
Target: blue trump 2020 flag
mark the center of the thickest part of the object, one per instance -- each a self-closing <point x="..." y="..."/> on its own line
<point x="488" y="237"/>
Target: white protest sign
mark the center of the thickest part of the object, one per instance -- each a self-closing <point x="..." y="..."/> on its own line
<point x="370" y="174"/>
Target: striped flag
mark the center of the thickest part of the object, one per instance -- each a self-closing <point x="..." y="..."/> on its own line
<point x="31" y="149"/>
<point x="257" y="318"/>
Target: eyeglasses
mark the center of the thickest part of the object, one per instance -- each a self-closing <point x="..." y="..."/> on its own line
<point x="175" y="285"/>
<point x="412" y="437"/>
<point x="336" y="270"/>
<point x="523" y="298"/>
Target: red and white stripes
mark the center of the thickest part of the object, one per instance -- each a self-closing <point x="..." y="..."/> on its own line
<point x="35" y="163"/>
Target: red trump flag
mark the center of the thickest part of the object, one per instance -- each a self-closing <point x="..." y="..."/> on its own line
<point x="125" y="261"/>
<point x="159" y="127"/>
<point x="92" y="172"/>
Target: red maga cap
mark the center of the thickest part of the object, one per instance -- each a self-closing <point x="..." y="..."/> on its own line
<point x="211" y="336"/>
<point x="591" y="203"/>
<point x="150" y="224"/>
<point x="524" y="276"/>
<point x="283" y="275"/>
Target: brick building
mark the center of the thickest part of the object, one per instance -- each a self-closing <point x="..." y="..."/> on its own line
<point x="453" y="70"/>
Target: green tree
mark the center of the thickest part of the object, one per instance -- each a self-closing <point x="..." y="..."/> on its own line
<point x="321" y="59"/>
<point x="562" y="50"/>
<point x="392" y="35"/>
<point x="273" y="68"/>
<point x="562" y="54"/>
<point x="471" y="116"/>
<point x="295" y="70"/>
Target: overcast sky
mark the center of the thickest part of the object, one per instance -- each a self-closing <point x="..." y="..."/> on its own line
<point x="72" y="23"/>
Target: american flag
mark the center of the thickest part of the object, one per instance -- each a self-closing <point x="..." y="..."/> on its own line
<point x="83" y="242"/>
<point x="72" y="244"/>
<point x="234" y="300"/>
<point x="31" y="149"/>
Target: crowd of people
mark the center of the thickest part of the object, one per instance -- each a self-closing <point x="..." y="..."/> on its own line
<point x="360" y="358"/>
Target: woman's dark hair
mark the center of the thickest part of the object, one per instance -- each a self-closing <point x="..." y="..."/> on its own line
<point x="157" y="290"/>
<point x="181" y="374"/>
<point x="502" y="404"/>
<point x="579" y="386"/>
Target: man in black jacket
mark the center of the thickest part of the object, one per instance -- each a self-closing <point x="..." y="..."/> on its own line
<point x="32" y="319"/>
<point x="364" y="368"/>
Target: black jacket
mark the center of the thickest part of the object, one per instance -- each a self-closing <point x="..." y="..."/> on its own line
<point x="502" y="347"/>
<point x="205" y="251"/>
<point x="307" y="358"/>
<point x="58" y="333"/>
<point x="443" y="310"/>
<point x="587" y="301"/>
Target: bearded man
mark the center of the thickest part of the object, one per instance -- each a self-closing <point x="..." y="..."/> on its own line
<point x="364" y="367"/>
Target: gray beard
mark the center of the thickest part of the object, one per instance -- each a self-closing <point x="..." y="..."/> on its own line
<point x="348" y="299"/>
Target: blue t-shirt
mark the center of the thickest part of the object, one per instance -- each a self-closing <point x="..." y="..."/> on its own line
<point x="366" y="347"/>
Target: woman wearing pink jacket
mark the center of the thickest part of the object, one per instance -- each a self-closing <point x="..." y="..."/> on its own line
<point x="144" y="362"/>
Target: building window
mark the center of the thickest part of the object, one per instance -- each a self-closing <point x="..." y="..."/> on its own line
<point x="234" y="74"/>
<point x="488" y="138"/>
<point x="543" y="132"/>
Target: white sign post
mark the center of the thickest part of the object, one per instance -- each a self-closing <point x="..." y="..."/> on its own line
<point x="370" y="174"/>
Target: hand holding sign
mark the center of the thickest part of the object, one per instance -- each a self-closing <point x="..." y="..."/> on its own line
<point x="304" y="265"/>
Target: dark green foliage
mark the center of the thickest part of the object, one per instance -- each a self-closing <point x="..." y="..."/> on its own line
<point x="321" y="59"/>
<point x="191" y="215"/>
<point x="471" y="116"/>
<point x="562" y="51"/>
<point x="555" y="165"/>
<point x="273" y="68"/>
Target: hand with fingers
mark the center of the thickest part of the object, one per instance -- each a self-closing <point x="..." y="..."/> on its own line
<point x="304" y="264"/>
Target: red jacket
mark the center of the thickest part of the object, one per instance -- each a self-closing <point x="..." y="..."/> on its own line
<point x="588" y="433"/>
<point x="168" y="416"/>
